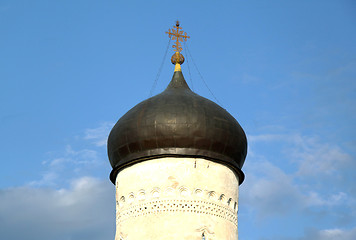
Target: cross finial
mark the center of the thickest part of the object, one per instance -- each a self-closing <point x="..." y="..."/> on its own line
<point x="178" y="35"/>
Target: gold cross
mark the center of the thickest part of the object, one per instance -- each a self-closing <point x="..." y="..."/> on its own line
<point x="179" y="36"/>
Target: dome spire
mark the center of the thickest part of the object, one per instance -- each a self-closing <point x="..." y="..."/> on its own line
<point x="176" y="34"/>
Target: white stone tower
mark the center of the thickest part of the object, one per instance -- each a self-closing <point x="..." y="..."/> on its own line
<point x="177" y="160"/>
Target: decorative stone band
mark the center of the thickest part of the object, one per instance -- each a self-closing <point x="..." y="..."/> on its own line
<point x="169" y="206"/>
<point x="176" y="193"/>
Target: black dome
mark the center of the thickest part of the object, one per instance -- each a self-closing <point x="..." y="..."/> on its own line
<point x="179" y="123"/>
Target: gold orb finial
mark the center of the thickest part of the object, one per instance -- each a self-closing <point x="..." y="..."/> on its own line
<point x="177" y="57"/>
<point x="179" y="36"/>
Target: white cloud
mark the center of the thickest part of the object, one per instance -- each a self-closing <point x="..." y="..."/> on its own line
<point x="85" y="210"/>
<point x="100" y="134"/>
<point x="63" y="203"/>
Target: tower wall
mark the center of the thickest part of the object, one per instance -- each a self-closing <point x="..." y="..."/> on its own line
<point x="177" y="199"/>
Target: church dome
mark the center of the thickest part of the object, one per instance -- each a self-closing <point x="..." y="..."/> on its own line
<point x="177" y="123"/>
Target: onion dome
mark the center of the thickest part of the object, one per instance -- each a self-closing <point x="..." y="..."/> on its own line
<point x="177" y="123"/>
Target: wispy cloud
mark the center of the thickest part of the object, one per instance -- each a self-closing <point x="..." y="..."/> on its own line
<point x="69" y="163"/>
<point x="314" y="157"/>
<point x="309" y="153"/>
<point x="100" y="134"/>
<point x="248" y="78"/>
<point x="266" y="137"/>
<point x="329" y="234"/>
<point x="271" y="189"/>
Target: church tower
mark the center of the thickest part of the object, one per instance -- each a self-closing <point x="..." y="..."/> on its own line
<point x="177" y="160"/>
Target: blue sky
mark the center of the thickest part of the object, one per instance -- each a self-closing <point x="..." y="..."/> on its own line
<point x="284" y="69"/>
